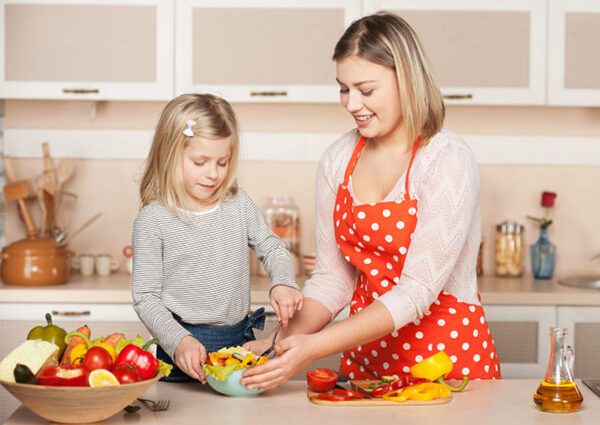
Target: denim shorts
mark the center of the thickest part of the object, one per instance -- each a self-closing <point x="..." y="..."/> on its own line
<point x="214" y="338"/>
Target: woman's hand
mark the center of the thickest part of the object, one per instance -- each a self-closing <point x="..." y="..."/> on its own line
<point x="258" y="346"/>
<point x="286" y="301"/>
<point x="293" y="354"/>
<point x="189" y="356"/>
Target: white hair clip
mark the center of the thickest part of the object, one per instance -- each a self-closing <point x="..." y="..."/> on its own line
<point x="188" y="131"/>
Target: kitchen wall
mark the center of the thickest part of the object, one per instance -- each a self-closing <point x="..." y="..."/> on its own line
<point x="508" y="191"/>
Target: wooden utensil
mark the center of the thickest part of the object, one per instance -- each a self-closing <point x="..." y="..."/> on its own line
<point x="47" y="196"/>
<point x="12" y="177"/>
<point x="71" y="235"/>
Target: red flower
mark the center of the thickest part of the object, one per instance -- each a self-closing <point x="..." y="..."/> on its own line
<point x="548" y="199"/>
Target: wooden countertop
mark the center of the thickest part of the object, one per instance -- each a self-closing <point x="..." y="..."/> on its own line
<point x="484" y="402"/>
<point x="114" y="289"/>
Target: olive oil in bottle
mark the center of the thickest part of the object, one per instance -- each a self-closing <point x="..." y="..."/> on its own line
<point x="558" y="392"/>
<point x="558" y="398"/>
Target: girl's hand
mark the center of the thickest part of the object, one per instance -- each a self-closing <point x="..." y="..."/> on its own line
<point x="286" y="301"/>
<point x="189" y="356"/>
<point x="293" y="354"/>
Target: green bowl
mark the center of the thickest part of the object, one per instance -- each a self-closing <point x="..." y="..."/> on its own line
<point x="231" y="386"/>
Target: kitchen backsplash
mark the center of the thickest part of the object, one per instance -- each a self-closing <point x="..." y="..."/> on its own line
<point x="508" y="191"/>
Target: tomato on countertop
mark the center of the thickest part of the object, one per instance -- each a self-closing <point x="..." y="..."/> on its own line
<point x="321" y="380"/>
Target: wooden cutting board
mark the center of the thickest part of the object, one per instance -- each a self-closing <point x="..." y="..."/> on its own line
<point x="363" y="387"/>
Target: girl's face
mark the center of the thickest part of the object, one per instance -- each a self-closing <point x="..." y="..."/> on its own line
<point x="370" y="93"/>
<point x="205" y="167"/>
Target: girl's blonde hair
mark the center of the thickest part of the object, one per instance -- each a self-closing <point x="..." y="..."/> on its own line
<point x="387" y="40"/>
<point x="163" y="177"/>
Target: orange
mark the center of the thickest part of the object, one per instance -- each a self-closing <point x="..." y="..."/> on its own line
<point x="102" y="378"/>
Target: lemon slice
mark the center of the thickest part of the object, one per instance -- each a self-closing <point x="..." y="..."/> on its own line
<point x="102" y="378"/>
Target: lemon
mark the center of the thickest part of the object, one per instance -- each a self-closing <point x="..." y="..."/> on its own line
<point x="102" y="378"/>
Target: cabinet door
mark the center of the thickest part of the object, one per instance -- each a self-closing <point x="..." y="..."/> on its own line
<point x="17" y="319"/>
<point x="483" y="52"/>
<point x="260" y="51"/>
<point x="583" y="325"/>
<point x="574" y="53"/>
<point x="521" y="338"/>
<point x="75" y="49"/>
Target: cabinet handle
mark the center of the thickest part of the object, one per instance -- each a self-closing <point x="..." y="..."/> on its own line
<point x="268" y="93"/>
<point x="71" y="313"/>
<point x="457" y="96"/>
<point x="81" y="91"/>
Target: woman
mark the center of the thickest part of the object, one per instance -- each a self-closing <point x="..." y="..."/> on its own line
<point x="398" y="225"/>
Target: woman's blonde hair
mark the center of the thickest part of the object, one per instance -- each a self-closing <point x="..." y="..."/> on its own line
<point x="163" y="177"/>
<point x="387" y="40"/>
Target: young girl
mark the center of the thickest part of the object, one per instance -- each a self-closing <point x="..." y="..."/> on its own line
<point x="190" y="281"/>
<point x="398" y="225"/>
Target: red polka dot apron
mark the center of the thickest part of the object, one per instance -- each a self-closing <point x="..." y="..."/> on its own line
<point x="375" y="238"/>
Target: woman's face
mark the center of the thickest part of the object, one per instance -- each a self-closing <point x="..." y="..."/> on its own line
<point x="370" y="93"/>
<point x="205" y="167"/>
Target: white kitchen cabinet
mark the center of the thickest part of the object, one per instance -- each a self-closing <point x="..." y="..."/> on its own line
<point x="260" y="51"/>
<point x="16" y="319"/>
<point x="76" y="49"/>
<point x="574" y="53"/>
<point x="490" y="52"/>
<point x="583" y="325"/>
<point x="521" y="338"/>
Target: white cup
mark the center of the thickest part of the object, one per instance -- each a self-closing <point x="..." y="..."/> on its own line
<point x="85" y="264"/>
<point x="105" y="264"/>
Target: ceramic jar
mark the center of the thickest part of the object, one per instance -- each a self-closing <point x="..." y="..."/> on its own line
<point x="35" y="262"/>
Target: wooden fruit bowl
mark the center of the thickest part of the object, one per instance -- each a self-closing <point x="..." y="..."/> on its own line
<point x="72" y="405"/>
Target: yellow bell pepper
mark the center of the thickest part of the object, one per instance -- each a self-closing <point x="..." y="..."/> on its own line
<point x="436" y="368"/>
<point x="77" y="353"/>
<point x="231" y="360"/>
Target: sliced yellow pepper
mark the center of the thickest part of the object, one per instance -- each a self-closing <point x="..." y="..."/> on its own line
<point x="212" y="357"/>
<point x="420" y="392"/>
<point x="249" y="357"/>
<point x="436" y="368"/>
<point x="231" y="360"/>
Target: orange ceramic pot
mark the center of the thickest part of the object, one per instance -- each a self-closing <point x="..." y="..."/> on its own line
<point x="35" y="262"/>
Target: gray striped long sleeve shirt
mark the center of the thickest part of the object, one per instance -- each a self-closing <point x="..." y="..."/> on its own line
<point x="197" y="266"/>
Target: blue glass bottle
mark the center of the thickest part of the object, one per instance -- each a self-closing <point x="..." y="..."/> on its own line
<point x="543" y="256"/>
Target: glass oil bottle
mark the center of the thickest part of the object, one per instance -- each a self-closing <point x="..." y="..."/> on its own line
<point x="558" y="392"/>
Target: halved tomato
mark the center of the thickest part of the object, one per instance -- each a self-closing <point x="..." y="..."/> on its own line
<point x="321" y="380"/>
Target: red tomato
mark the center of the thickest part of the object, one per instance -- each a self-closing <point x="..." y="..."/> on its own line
<point x="340" y="395"/>
<point x="126" y="374"/>
<point x="321" y="380"/>
<point x="97" y="358"/>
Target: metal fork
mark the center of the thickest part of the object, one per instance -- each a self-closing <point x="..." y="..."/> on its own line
<point x="272" y="347"/>
<point x="156" y="406"/>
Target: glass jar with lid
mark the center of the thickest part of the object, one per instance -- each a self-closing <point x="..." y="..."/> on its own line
<point x="510" y="249"/>
<point x="284" y="219"/>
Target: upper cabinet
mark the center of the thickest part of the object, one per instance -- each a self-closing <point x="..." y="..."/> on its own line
<point x="77" y="49"/>
<point x="483" y="52"/>
<point x="574" y="53"/>
<point x="260" y="51"/>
